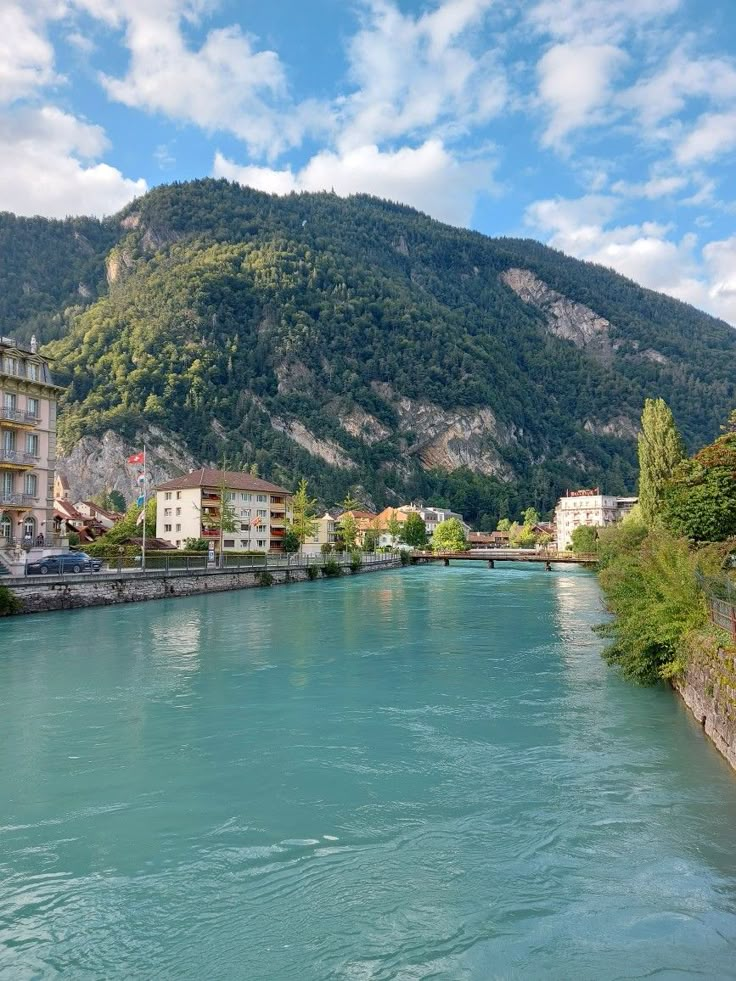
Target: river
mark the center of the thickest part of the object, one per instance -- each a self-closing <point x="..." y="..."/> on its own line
<point x="424" y="773"/>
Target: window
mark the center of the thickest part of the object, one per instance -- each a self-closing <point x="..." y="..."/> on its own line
<point x="30" y="485"/>
<point x="6" y="526"/>
<point x="32" y="407"/>
<point x="178" y="527"/>
<point x="32" y="370"/>
<point x="32" y="444"/>
<point x="29" y="528"/>
<point x="10" y="366"/>
<point x="6" y="484"/>
<point x="246" y="497"/>
<point x="178" y="495"/>
<point x="229" y="543"/>
<point x="262" y="514"/>
<point x="261" y="543"/>
<point x="178" y="512"/>
<point x="9" y="401"/>
<point x="230" y="496"/>
<point x="167" y="512"/>
<point x="244" y="526"/>
<point x="167" y="527"/>
<point x="167" y="496"/>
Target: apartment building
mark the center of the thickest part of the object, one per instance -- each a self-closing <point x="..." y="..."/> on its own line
<point x="257" y="513"/>
<point x="325" y="532"/>
<point x="588" y="507"/>
<point x="28" y="401"/>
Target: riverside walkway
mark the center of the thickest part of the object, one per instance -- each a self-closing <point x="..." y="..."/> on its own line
<point x="492" y="555"/>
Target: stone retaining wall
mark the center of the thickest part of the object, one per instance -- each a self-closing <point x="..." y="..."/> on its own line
<point x="708" y="688"/>
<point x="78" y="592"/>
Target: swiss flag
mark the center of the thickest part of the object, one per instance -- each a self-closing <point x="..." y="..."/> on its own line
<point x="136" y="458"/>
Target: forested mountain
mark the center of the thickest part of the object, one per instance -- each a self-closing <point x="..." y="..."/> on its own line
<point x="358" y="343"/>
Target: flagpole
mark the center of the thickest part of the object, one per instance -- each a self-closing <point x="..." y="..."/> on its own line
<point x="143" y="562"/>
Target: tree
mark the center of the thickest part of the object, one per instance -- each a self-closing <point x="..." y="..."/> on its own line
<point x="393" y="528"/>
<point x="223" y="518"/>
<point x="370" y="539"/>
<point x="110" y="500"/>
<point x="700" y="499"/>
<point x="660" y="451"/>
<point x="414" y="532"/>
<point x="304" y="511"/>
<point x="348" y="526"/>
<point x="128" y="526"/>
<point x="530" y="517"/>
<point x="449" y="536"/>
<point x="503" y="525"/>
<point x="291" y="542"/>
<point x="585" y="539"/>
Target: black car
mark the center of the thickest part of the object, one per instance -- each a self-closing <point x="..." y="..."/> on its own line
<point x="95" y="564"/>
<point x="54" y="565"/>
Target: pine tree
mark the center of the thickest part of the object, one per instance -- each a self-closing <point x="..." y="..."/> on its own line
<point x="660" y="451"/>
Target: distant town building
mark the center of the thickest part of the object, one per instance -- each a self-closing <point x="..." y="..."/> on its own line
<point x="108" y="519"/>
<point x="431" y="516"/>
<point x="325" y="532"/>
<point x="28" y="400"/>
<point x="588" y="507"/>
<point x="190" y="507"/>
<point x="488" y="539"/>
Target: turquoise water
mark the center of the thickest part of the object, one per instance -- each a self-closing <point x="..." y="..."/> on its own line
<point x="415" y="774"/>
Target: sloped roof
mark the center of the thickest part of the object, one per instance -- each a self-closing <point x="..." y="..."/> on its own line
<point x="232" y="479"/>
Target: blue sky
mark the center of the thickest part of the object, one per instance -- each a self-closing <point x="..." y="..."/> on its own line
<point x="604" y="127"/>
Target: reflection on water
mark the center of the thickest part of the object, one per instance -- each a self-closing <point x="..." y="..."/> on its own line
<point x="426" y="773"/>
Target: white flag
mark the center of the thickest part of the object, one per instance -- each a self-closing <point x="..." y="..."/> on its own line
<point x="141" y="517"/>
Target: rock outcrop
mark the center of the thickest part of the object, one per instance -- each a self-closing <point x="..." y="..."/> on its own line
<point x="572" y="321"/>
<point x="97" y="464"/>
<point x="363" y="426"/>
<point x="326" y="449"/>
<point x="620" y="426"/>
<point x="446" y="439"/>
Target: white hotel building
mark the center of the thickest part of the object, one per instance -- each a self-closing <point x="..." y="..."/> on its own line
<point x="189" y="507"/>
<point x="588" y="507"/>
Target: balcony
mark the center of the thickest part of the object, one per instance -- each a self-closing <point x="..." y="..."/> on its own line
<point x="16" y="459"/>
<point x="277" y="522"/>
<point x="277" y="532"/>
<point x="17" y="418"/>
<point x="12" y="502"/>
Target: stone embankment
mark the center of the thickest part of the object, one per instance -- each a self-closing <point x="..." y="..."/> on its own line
<point x="39" y="595"/>
<point x="708" y="688"/>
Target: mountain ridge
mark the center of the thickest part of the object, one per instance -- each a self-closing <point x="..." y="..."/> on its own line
<point x="363" y="344"/>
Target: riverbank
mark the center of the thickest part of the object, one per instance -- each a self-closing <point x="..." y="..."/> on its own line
<point x="707" y="686"/>
<point x="41" y="595"/>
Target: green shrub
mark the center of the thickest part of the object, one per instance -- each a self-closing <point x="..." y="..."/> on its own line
<point x="312" y="572"/>
<point x="331" y="568"/>
<point x="196" y="545"/>
<point x="264" y="579"/>
<point x="654" y="595"/>
<point x="326" y="548"/>
<point x="405" y="557"/>
<point x="9" y="602"/>
<point x="356" y="562"/>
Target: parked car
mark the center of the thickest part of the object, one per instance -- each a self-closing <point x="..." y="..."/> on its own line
<point x="96" y="564"/>
<point x="54" y="565"/>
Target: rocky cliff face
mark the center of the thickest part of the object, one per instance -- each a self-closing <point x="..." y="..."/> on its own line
<point x="446" y="439"/>
<point x="572" y="321"/>
<point x="99" y="464"/>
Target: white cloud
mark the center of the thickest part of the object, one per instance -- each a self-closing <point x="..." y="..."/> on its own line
<point x="47" y="166"/>
<point x="428" y="177"/>
<point x="575" y="83"/>
<point x="713" y="135"/>
<point x="655" y="187"/>
<point x="643" y="252"/>
<point x="26" y="56"/>
<point x="597" y="21"/>
<point x="419" y="75"/>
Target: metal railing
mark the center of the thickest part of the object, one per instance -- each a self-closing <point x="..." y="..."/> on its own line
<point x="16" y="500"/>
<point x="720" y="594"/>
<point x="17" y="415"/>
<point x="17" y="456"/>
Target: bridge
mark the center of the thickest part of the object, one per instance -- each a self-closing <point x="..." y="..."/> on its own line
<point x="493" y="555"/>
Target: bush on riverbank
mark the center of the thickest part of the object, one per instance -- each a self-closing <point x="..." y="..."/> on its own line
<point x="9" y="602"/>
<point x="331" y="569"/>
<point x="650" y="585"/>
